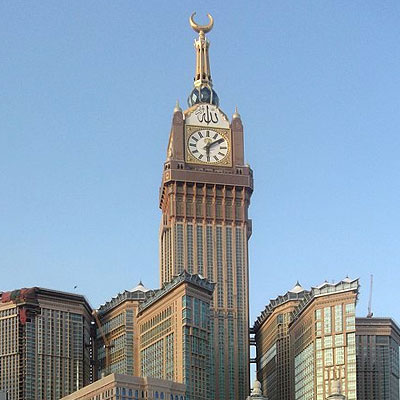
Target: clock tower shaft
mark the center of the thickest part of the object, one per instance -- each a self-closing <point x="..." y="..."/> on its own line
<point x="205" y="230"/>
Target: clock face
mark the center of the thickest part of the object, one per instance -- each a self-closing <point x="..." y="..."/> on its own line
<point x="208" y="146"/>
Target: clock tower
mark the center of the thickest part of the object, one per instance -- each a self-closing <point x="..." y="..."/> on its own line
<point x="204" y="197"/>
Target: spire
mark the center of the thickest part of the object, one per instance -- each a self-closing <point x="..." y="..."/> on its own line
<point x="177" y="107"/>
<point x="203" y="91"/>
<point x="236" y="113"/>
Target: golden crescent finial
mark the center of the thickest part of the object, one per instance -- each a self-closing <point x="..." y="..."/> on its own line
<point x="201" y="28"/>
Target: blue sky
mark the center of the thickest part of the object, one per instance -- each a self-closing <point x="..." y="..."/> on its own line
<point x="87" y="93"/>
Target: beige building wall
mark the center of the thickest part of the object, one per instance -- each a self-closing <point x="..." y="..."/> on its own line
<point x="174" y="334"/>
<point x="323" y="347"/>
<point x="116" y="342"/>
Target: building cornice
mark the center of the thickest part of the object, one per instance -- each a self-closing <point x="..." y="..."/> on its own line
<point x="325" y="289"/>
<point x="122" y="297"/>
<point x="183" y="277"/>
<point x="274" y="304"/>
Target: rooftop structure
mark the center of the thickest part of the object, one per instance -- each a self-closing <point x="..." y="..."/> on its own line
<point x="297" y="293"/>
<point x="324" y="289"/>
<point x="184" y="276"/>
<point x="117" y="386"/>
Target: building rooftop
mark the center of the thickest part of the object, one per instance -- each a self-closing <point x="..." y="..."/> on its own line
<point x="296" y="293"/>
<point x="184" y="276"/>
<point x="139" y="293"/>
<point x="305" y="297"/>
<point x="324" y="289"/>
<point x="29" y="295"/>
<point x="128" y="381"/>
<point x="140" y="287"/>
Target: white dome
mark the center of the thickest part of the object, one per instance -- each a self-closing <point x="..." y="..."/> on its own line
<point x="140" y="288"/>
<point x="297" y="288"/>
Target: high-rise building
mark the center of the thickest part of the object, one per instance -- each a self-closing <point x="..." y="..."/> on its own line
<point x="116" y="334"/>
<point x="45" y="343"/>
<point x="204" y="197"/>
<point x="273" y="344"/>
<point x="322" y="336"/>
<point x="174" y="335"/>
<point x="377" y="345"/>
<point x="161" y="334"/>
<point x="306" y="341"/>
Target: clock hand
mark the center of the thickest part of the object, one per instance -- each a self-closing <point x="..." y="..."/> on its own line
<point x="216" y="142"/>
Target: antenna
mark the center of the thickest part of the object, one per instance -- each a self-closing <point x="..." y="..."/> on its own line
<point x="370" y="313"/>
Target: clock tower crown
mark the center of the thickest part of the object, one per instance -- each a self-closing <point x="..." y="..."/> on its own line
<point x="203" y="91"/>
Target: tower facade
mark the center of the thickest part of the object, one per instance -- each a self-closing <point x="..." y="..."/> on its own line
<point x="204" y="198"/>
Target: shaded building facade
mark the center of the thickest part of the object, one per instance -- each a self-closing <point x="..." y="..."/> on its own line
<point x="273" y="344"/>
<point x="377" y="341"/>
<point x="45" y="347"/>
<point x="204" y="197"/>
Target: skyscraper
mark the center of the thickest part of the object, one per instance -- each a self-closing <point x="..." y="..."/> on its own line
<point x="45" y="343"/>
<point x="204" y="198"/>
<point x="161" y="334"/>
<point x="306" y="343"/>
<point x="173" y="334"/>
<point x="116" y="334"/>
<point x="377" y="341"/>
<point x="273" y="344"/>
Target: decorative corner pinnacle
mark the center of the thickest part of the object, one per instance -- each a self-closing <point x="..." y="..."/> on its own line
<point x="177" y="108"/>
<point x="236" y="113"/>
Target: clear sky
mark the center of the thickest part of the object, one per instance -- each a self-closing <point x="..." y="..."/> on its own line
<point x="86" y="98"/>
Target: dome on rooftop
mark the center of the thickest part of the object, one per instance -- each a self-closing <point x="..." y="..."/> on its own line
<point x="139" y="287"/>
<point x="297" y="288"/>
<point x="203" y="95"/>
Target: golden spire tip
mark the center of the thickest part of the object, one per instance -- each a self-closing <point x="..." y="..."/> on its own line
<point x="201" y="28"/>
<point x="236" y="113"/>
